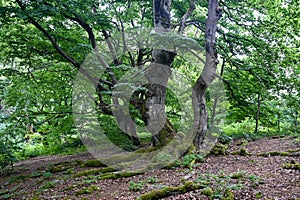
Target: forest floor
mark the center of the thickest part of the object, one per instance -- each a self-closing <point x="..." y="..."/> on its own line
<point x="272" y="171"/>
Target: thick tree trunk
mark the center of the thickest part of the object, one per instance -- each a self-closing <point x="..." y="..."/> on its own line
<point x="158" y="74"/>
<point x="208" y="74"/>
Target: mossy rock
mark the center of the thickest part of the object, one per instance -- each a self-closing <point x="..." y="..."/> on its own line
<point x="219" y="149"/>
<point x="241" y="152"/>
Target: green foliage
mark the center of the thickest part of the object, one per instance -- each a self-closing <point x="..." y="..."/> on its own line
<point x="6" y="157"/>
<point x="224" y="139"/>
<point x="48" y="185"/>
<point x="240" y="128"/>
<point x="139" y="185"/>
<point x="207" y="191"/>
<point x="38" y="64"/>
<point x="136" y="186"/>
<point x="221" y="186"/>
<point x="238" y="175"/>
<point x="47" y="175"/>
<point x="190" y="159"/>
<point x="114" y="134"/>
<point x="87" y="190"/>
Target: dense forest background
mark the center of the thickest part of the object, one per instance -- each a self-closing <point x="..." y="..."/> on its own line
<point x="44" y="43"/>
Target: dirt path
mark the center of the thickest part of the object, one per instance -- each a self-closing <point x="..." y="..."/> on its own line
<point x="246" y="177"/>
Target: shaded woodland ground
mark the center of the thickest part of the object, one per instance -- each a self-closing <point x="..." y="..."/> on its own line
<point x="264" y="169"/>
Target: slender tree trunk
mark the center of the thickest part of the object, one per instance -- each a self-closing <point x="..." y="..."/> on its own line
<point x="257" y="113"/>
<point x="296" y="118"/>
<point x="278" y="121"/>
<point x="208" y="74"/>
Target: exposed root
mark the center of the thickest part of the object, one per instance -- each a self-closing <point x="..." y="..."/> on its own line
<point x="168" y="191"/>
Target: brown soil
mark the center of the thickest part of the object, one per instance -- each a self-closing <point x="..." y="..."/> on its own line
<point x="248" y="177"/>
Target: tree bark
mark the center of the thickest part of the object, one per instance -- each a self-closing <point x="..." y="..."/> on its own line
<point x="208" y="74"/>
<point x="158" y="74"/>
<point x="257" y="113"/>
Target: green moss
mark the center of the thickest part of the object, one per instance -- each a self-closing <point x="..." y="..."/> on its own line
<point x="219" y="149"/>
<point x="62" y="166"/>
<point x="4" y="192"/>
<point x="238" y="175"/>
<point x="119" y="175"/>
<point x="207" y="191"/>
<point x="48" y="185"/>
<point x="228" y="195"/>
<point x="172" y="165"/>
<point x="165" y="192"/>
<point x="241" y="152"/>
<point x="279" y="154"/>
<point x="293" y="150"/>
<point x="71" y="187"/>
<point x="146" y="150"/>
<point x="154" y="195"/>
<point x="35" y="197"/>
<point x="87" y="190"/>
<point x="258" y="195"/>
<point x="95" y="171"/>
<point x="292" y="165"/>
<point x="69" y="171"/>
<point x="58" y="168"/>
<point x="93" y="163"/>
<point x="18" y="178"/>
<point x="191" y="149"/>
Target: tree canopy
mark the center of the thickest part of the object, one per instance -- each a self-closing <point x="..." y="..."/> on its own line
<point x="45" y="43"/>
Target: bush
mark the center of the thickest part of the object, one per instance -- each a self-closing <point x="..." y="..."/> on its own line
<point x="6" y="157"/>
<point x="240" y="128"/>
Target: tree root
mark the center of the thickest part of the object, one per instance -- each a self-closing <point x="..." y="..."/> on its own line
<point x="168" y="191"/>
